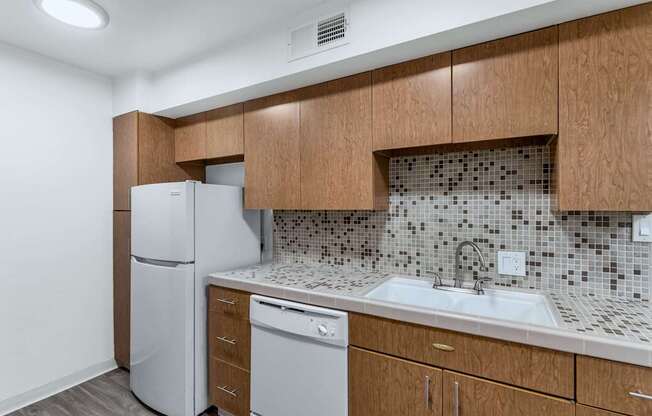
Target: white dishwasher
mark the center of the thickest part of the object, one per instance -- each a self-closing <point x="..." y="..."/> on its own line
<point x="298" y="359"/>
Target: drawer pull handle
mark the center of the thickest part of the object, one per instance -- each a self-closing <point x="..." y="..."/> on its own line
<point x="443" y="347"/>
<point x="640" y="395"/>
<point x="227" y="390"/>
<point x="427" y="388"/>
<point x="228" y="302"/>
<point x="228" y="341"/>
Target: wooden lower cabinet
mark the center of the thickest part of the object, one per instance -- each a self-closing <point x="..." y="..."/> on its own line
<point x="229" y="339"/>
<point x="582" y="410"/>
<point x="614" y="386"/>
<point x="229" y="387"/>
<point x="121" y="286"/>
<point x="470" y="396"/>
<point x="380" y="385"/>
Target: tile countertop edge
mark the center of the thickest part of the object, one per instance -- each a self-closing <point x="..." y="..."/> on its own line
<point x="538" y="336"/>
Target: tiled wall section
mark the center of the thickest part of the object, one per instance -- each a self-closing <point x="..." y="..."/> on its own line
<point x="499" y="199"/>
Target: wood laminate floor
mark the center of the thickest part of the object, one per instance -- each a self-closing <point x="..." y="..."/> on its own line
<point x="106" y="395"/>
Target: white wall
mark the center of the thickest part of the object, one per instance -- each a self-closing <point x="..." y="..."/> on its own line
<point x="382" y="32"/>
<point x="56" y="324"/>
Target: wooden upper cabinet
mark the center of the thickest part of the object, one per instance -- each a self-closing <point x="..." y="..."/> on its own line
<point x="605" y="112"/>
<point x="338" y="168"/>
<point x="412" y="103"/>
<point x="190" y="138"/>
<point x="225" y="132"/>
<point x="125" y="159"/>
<point x="506" y="88"/>
<point x="272" y="166"/>
<point x="470" y="396"/>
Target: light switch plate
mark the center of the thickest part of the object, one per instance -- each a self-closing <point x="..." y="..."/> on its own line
<point x="511" y="263"/>
<point x="642" y="228"/>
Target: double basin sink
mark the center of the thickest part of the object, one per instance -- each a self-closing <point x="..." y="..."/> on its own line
<point x="526" y="308"/>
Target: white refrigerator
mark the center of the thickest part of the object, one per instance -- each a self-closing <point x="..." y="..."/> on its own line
<point x="181" y="232"/>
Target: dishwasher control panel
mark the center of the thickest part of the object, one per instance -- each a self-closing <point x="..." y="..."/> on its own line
<point x="317" y="323"/>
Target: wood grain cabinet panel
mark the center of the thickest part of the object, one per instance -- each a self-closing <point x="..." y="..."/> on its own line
<point x="229" y="388"/>
<point x="506" y="88"/>
<point x="530" y="367"/>
<point x="604" y="154"/>
<point x="229" y="339"/>
<point x="228" y="302"/>
<point x="225" y="132"/>
<point x="608" y="385"/>
<point x="125" y="159"/>
<point x="470" y="396"/>
<point x="272" y="161"/>
<point x="121" y="286"/>
<point x="381" y="385"/>
<point x="581" y="410"/>
<point x="190" y="138"/>
<point x="412" y="103"/>
<point x="338" y="168"/>
<point x="156" y="160"/>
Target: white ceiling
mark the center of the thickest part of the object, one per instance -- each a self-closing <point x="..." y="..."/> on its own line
<point x="143" y="35"/>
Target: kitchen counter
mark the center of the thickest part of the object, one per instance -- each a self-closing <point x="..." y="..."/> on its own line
<point x="609" y="328"/>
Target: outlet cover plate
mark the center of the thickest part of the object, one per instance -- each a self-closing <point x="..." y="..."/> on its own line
<point x="511" y="263"/>
<point x="642" y="228"/>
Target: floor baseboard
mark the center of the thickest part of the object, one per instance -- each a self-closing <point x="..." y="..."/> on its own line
<point x="32" y="396"/>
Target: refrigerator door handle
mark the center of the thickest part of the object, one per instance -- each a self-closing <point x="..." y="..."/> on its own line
<point x="161" y="263"/>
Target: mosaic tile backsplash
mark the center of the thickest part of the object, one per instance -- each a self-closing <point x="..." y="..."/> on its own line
<point x="501" y="200"/>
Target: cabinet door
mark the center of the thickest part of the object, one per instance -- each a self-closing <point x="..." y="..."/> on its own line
<point x="271" y="128"/>
<point x="470" y="396"/>
<point x="591" y="411"/>
<point x="506" y="88"/>
<point x="338" y="168"/>
<point x="121" y="285"/>
<point x="125" y="158"/>
<point x="605" y="130"/>
<point x="190" y="138"/>
<point x="156" y="161"/>
<point x="381" y="385"/>
<point x="412" y="103"/>
<point x="225" y="132"/>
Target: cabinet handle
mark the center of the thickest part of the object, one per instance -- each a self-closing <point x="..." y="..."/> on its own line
<point x="443" y="347"/>
<point x="228" y="341"/>
<point x="456" y="399"/>
<point x="230" y="392"/>
<point x="228" y="302"/>
<point x="640" y="395"/>
<point x="427" y="392"/>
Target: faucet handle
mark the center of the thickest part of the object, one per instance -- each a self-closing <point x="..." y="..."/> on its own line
<point x="478" y="286"/>
<point x="436" y="278"/>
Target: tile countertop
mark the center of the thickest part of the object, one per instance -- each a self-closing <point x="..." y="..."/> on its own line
<point x="614" y="329"/>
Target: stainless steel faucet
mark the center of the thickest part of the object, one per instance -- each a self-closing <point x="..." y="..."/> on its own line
<point x="459" y="276"/>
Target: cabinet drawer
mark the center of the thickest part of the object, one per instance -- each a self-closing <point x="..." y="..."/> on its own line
<point x="521" y="365"/>
<point x="229" y="388"/>
<point x="609" y="385"/>
<point x="229" y="302"/>
<point x="470" y="396"/>
<point x="229" y="339"/>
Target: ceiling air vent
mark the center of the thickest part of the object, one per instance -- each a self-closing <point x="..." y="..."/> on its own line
<point x="321" y="35"/>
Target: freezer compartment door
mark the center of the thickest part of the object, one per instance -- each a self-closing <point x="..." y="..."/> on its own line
<point x="162" y="336"/>
<point x="162" y="221"/>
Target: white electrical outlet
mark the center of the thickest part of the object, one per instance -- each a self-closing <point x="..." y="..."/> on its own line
<point x="511" y="263"/>
<point x="642" y="228"/>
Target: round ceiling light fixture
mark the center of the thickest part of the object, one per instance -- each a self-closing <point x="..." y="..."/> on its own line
<point x="85" y="14"/>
